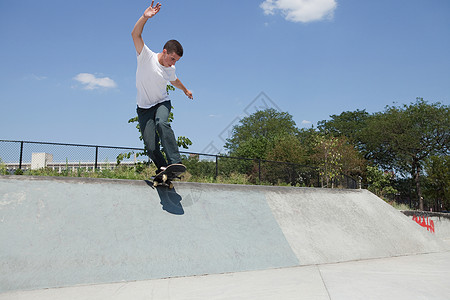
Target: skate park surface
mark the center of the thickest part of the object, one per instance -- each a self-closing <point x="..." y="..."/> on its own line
<point x="75" y="238"/>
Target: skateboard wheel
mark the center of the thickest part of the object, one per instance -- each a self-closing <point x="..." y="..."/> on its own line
<point x="164" y="177"/>
<point x="155" y="183"/>
<point x="171" y="185"/>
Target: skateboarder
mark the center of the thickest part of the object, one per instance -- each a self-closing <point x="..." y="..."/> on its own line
<point x="154" y="71"/>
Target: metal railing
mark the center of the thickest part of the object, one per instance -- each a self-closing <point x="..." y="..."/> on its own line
<point x="21" y="155"/>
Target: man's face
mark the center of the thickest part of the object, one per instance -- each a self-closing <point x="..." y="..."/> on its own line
<point x="169" y="59"/>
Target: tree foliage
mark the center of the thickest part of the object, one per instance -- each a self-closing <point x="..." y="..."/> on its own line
<point x="335" y="157"/>
<point x="380" y="183"/>
<point x="402" y="138"/>
<point x="348" y="124"/>
<point x="272" y="135"/>
<point x="256" y="134"/>
<point x="409" y="141"/>
<point x="437" y="183"/>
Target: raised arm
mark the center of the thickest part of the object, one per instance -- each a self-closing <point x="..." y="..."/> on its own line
<point x="150" y="12"/>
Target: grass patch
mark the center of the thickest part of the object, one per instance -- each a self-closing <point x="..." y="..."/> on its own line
<point x="399" y="206"/>
<point x="138" y="172"/>
<point x="121" y="172"/>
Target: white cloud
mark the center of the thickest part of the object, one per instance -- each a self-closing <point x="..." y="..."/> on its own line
<point x="301" y="10"/>
<point x="91" y="82"/>
<point x="306" y="122"/>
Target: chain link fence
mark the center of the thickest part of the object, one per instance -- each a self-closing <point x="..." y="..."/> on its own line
<point x="27" y="155"/>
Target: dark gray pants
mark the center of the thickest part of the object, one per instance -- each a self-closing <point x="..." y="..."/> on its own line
<point x="155" y="127"/>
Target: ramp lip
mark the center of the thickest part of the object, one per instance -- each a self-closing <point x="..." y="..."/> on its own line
<point x="176" y="183"/>
<point x="72" y="179"/>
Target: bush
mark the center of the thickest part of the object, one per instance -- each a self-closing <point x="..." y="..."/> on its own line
<point x="3" y="169"/>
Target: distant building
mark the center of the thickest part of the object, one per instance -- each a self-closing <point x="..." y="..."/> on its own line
<point x="45" y="160"/>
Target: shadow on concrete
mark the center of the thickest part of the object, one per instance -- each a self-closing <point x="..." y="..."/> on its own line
<point x="170" y="199"/>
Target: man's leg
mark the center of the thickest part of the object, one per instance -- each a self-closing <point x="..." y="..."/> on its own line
<point x="166" y="134"/>
<point x="147" y="125"/>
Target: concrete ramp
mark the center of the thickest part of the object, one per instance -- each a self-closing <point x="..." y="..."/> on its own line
<point x="328" y="226"/>
<point x="59" y="232"/>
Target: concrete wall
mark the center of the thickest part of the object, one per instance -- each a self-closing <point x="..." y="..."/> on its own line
<point x="437" y="224"/>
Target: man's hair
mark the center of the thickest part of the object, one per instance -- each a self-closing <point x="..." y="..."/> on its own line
<point x="174" y="46"/>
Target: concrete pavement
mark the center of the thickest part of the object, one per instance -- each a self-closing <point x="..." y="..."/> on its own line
<point x="414" y="277"/>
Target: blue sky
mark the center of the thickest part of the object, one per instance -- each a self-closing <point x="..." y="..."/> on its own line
<point x="68" y="68"/>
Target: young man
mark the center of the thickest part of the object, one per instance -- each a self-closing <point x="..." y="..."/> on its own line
<point x="154" y="71"/>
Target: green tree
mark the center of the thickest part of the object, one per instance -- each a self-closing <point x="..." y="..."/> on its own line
<point x="349" y="124"/>
<point x="437" y="183"/>
<point x="335" y="156"/>
<point x="380" y="183"/>
<point x="402" y="138"/>
<point x="257" y="133"/>
<point x="256" y="136"/>
<point x="290" y="150"/>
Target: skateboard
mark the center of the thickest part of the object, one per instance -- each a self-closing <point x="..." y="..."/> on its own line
<point x="164" y="178"/>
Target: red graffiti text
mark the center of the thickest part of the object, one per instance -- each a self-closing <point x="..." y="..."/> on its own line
<point x="425" y="222"/>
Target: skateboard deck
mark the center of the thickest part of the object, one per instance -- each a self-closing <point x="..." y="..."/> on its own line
<point x="165" y="177"/>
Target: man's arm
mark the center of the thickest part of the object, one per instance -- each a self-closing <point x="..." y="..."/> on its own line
<point x="139" y="26"/>
<point x="177" y="83"/>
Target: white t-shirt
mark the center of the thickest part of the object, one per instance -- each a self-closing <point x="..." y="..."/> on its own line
<point x="152" y="79"/>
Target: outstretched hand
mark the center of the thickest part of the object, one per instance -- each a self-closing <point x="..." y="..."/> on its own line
<point x="188" y="93"/>
<point x="152" y="10"/>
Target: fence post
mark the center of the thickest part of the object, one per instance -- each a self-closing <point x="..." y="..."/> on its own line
<point x="217" y="167"/>
<point x="259" y="170"/>
<point x="21" y="155"/>
<point x="96" y="157"/>
<point x="319" y="182"/>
